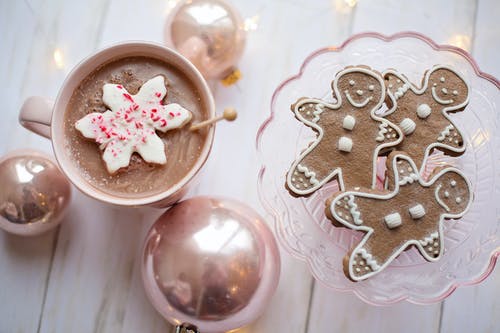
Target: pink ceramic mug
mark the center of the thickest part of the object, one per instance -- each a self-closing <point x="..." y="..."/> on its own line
<point x="46" y="118"/>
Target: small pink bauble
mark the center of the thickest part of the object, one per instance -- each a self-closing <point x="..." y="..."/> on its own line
<point x="212" y="263"/>
<point x="34" y="194"/>
<point x="209" y="33"/>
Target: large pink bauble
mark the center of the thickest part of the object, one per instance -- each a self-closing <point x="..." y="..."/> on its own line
<point x="34" y="193"/>
<point x="209" y="33"/>
<point x="212" y="263"/>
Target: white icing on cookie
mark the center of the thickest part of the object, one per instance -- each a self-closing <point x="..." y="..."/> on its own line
<point x="445" y="132"/>
<point x="354" y="103"/>
<point x="407" y="126"/>
<point x="409" y="179"/>
<point x="417" y="211"/>
<point x="349" y="122"/>
<point x="353" y="209"/>
<point x="345" y="144"/>
<point x="439" y="100"/>
<point x="369" y="259"/>
<point x="426" y="86"/>
<point x="438" y="198"/>
<point x="381" y="133"/>
<point x="318" y="109"/>
<point x="393" y="220"/>
<point x="341" y="105"/>
<point x="401" y="91"/>
<point x="432" y="241"/>
<point x="131" y="124"/>
<point x="429" y="239"/>
<point x="311" y="175"/>
<point x="423" y="111"/>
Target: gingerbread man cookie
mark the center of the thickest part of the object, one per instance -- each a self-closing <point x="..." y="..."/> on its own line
<point x="410" y="212"/>
<point x="422" y="113"/>
<point x="349" y="134"/>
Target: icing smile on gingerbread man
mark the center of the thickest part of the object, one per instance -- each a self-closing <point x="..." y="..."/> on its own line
<point x="360" y="93"/>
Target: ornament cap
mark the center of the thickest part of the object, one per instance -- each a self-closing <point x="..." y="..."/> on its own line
<point x="186" y="328"/>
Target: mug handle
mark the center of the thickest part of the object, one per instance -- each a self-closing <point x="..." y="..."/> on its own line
<point x="36" y="115"/>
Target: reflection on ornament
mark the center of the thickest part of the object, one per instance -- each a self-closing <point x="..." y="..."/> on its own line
<point x="210" y="33"/>
<point x="211" y="263"/>
<point x="34" y="193"/>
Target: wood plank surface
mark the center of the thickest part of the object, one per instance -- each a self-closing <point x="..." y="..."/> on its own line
<point x="85" y="276"/>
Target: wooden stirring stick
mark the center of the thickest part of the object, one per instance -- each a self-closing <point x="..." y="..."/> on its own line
<point x="229" y="114"/>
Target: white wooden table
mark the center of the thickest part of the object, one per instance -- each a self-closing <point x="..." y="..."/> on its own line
<point x="85" y="276"/>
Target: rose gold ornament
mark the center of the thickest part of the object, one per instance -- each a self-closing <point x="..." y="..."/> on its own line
<point x="34" y="193"/>
<point x="210" y="33"/>
<point x="211" y="263"/>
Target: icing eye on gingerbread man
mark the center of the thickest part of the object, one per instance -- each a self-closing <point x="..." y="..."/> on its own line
<point x="411" y="212"/>
<point x="447" y="88"/>
<point x="358" y="89"/>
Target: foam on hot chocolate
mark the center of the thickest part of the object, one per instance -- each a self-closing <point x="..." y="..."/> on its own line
<point x="182" y="147"/>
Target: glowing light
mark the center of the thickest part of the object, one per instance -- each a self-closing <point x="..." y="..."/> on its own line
<point x="461" y="41"/>
<point x="351" y="3"/>
<point x="251" y="23"/>
<point x="58" y="58"/>
<point x="344" y="6"/>
<point x="171" y="5"/>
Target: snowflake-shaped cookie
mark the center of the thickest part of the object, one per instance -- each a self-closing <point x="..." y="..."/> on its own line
<point x="410" y="212"/>
<point x="131" y="124"/>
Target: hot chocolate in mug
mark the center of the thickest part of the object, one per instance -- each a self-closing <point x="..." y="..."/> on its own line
<point x="129" y="70"/>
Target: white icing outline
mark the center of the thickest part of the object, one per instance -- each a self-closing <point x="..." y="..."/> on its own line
<point x="337" y="172"/>
<point x="386" y="195"/>
<point x="438" y="199"/>
<point x="368" y="257"/>
<point x="311" y="175"/>
<point x="356" y="104"/>
<point x="318" y="109"/>
<point x="444" y="133"/>
<point x="356" y="214"/>
<point x="439" y="100"/>
<point x="445" y="111"/>
<point x="430" y="239"/>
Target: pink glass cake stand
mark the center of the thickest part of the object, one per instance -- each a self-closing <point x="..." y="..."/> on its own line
<point x="472" y="243"/>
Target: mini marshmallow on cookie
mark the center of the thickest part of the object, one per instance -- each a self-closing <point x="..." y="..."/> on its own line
<point x="131" y="124"/>
<point x="423" y="113"/>
<point x="410" y="212"/>
<point x="349" y="134"/>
